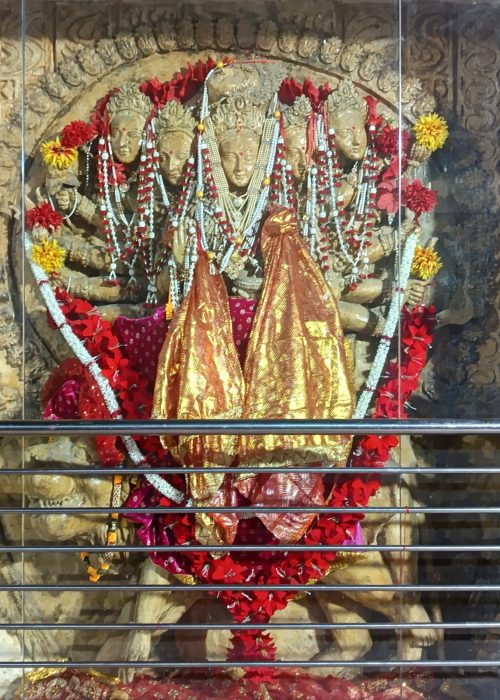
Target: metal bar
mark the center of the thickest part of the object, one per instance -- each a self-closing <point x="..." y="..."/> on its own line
<point x="190" y="665"/>
<point x="256" y="548"/>
<point x="91" y="471"/>
<point x="168" y="588"/>
<point x="152" y="627"/>
<point x="250" y="427"/>
<point x="82" y="510"/>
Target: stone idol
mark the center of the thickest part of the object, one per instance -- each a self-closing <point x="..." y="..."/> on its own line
<point x="235" y="240"/>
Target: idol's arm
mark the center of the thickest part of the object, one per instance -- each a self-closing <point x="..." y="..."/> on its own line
<point x="368" y="291"/>
<point x="358" y="319"/>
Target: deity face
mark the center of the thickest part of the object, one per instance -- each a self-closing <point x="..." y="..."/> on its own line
<point x="350" y="134"/>
<point x="296" y="151"/>
<point x="71" y="72"/>
<point x="174" y="148"/>
<point x="126" y="132"/>
<point x="238" y="155"/>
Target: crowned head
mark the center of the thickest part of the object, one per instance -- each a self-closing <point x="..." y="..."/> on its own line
<point x="238" y="124"/>
<point x="296" y="119"/>
<point x="175" y="129"/>
<point x="128" y="110"/>
<point x="347" y="113"/>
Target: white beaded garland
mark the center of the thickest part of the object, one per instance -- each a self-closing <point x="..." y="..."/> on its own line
<point x="108" y="395"/>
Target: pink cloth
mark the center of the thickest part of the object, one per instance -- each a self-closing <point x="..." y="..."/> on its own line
<point x="64" y="403"/>
<point x="143" y="337"/>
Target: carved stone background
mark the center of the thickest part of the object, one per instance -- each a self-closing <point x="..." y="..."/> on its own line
<point x="452" y="47"/>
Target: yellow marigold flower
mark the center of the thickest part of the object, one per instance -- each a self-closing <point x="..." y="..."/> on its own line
<point x="49" y="255"/>
<point x="431" y="131"/>
<point x="55" y="155"/>
<point x="426" y="263"/>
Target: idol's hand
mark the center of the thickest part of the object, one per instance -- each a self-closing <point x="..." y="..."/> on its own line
<point x="98" y="289"/>
<point x="415" y="292"/>
<point x="65" y="199"/>
<point x="408" y="226"/>
<point x="88" y="253"/>
<point x="179" y="245"/>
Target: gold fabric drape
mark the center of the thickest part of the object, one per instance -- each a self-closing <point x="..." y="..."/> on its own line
<point x="296" y="364"/>
<point x="199" y="377"/>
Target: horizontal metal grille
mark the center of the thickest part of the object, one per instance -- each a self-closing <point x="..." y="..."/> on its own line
<point x="403" y="427"/>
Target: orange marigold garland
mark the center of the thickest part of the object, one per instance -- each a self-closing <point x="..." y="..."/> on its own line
<point x="58" y="156"/>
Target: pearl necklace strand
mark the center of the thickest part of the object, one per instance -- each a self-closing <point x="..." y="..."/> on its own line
<point x="236" y="226"/>
<point x="352" y="234"/>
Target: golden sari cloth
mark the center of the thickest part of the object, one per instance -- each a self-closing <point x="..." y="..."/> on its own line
<point x="297" y="365"/>
<point x="199" y="377"/>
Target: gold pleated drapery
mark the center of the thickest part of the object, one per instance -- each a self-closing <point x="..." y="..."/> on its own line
<point x="297" y="364"/>
<point x="199" y="377"/>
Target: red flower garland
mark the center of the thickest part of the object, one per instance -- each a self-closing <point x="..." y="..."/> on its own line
<point x="133" y="392"/>
<point x="290" y="89"/>
<point x="418" y="198"/>
<point x="387" y="141"/>
<point x="43" y="215"/>
<point x="184" y="85"/>
<point x="295" y="567"/>
<point x="159" y="93"/>
<point x="77" y="133"/>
